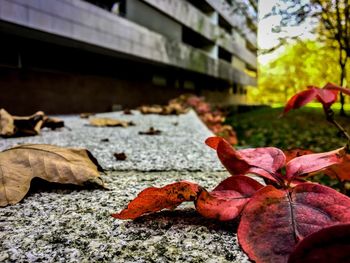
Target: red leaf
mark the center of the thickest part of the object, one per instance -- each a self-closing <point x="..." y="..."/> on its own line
<point x="329" y="245"/>
<point x="293" y="153"/>
<point x="242" y="184"/>
<point x="230" y="158"/>
<point x="154" y="199"/>
<point x="300" y="99"/>
<point x="224" y="203"/>
<point x="332" y="86"/>
<point x="261" y="161"/>
<point x="228" y="199"/>
<point x="341" y="170"/>
<point x="327" y="96"/>
<point x="274" y="221"/>
<point x="303" y="165"/>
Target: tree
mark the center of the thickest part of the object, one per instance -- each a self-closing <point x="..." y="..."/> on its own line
<point x="332" y="27"/>
<point x="301" y="64"/>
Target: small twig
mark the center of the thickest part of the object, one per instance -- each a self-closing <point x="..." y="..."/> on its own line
<point x="330" y="118"/>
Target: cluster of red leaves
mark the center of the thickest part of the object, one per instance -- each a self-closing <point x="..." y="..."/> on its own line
<point x="213" y="119"/>
<point x="278" y="221"/>
<point x="326" y="96"/>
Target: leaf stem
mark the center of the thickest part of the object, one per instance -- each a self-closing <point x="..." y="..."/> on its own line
<point x="330" y="118"/>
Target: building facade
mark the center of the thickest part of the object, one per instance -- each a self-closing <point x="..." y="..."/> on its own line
<point x="65" y="56"/>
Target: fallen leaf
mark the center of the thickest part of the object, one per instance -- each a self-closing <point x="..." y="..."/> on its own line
<point x="120" y="156"/>
<point x="274" y="220"/>
<point x="154" y="199"/>
<point x="224" y="203"/>
<point x="329" y="245"/>
<point x="20" y="164"/>
<point x="127" y="112"/>
<point x="109" y="122"/>
<point x="155" y="109"/>
<point x="13" y="126"/>
<point x="151" y="131"/>
<point x="86" y="115"/>
<point x="52" y="123"/>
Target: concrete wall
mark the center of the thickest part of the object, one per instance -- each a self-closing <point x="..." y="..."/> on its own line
<point x="143" y="14"/>
<point x="91" y="26"/>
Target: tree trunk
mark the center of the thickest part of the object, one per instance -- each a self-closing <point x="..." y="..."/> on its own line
<point x="342" y="78"/>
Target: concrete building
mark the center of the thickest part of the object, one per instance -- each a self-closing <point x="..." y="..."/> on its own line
<point x="65" y="56"/>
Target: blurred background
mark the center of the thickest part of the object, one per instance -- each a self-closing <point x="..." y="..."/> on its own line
<point x="245" y="57"/>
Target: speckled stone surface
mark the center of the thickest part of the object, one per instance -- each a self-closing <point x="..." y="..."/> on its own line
<point x="180" y="146"/>
<point x="74" y="225"/>
<point x="56" y="223"/>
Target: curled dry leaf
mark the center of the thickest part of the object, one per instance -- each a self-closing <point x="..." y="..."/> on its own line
<point x="329" y="245"/>
<point x="274" y="221"/>
<point x="13" y="126"/>
<point x="151" y="131"/>
<point x="109" y="122"/>
<point x="155" y="109"/>
<point x="173" y="108"/>
<point x="86" y="115"/>
<point x="19" y="165"/>
<point x="120" y="156"/>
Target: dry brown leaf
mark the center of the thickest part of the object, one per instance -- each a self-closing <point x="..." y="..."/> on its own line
<point x="13" y="126"/>
<point x="173" y="108"/>
<point x="19" y="165"/>
<point x="120" y="156"/>
<point x="86" y="115"/>
<point x="151" y="131"/>
<point x="155" y="109"/>
<point x="52" y="123"/>
<point x="109" y="122"/>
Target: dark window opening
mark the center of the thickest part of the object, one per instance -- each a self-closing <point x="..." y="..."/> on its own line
<point x="194" y="39"/>
<point x="202" y="5"/>
<point x="225" y="25"/>
<point x="225" y="55"/>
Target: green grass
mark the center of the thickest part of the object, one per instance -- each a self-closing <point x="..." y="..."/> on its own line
<point x="305" y="128"/>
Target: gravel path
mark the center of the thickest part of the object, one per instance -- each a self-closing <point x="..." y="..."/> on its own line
<point x="56" y="223"/>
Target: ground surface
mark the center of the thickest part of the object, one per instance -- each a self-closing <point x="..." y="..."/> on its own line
<point x="65" y="224"/>
<point x="303" y="128"/>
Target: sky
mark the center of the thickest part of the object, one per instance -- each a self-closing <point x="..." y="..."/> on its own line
<point x="267" y="39"/>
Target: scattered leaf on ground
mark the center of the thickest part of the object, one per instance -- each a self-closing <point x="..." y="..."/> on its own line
<point x="20" y="164"/>
<point x="86" y="115"/>
<point x="154" y="199"/>
<point x="120" y="156"/>
<point x="52" y="123"/>
<point x="155" y="109"/>
<point x="109" y="122"/>
<point x="329" y="245"/>
<point x="224" y="203"/>
<point x="13" y="126"/>
<point x="127" y="112"/>
<point x="151" y="131"/>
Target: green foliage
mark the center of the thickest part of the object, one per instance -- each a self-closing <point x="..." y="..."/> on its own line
<point x="301" y="64"/>
<point x="263" y="127"/>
